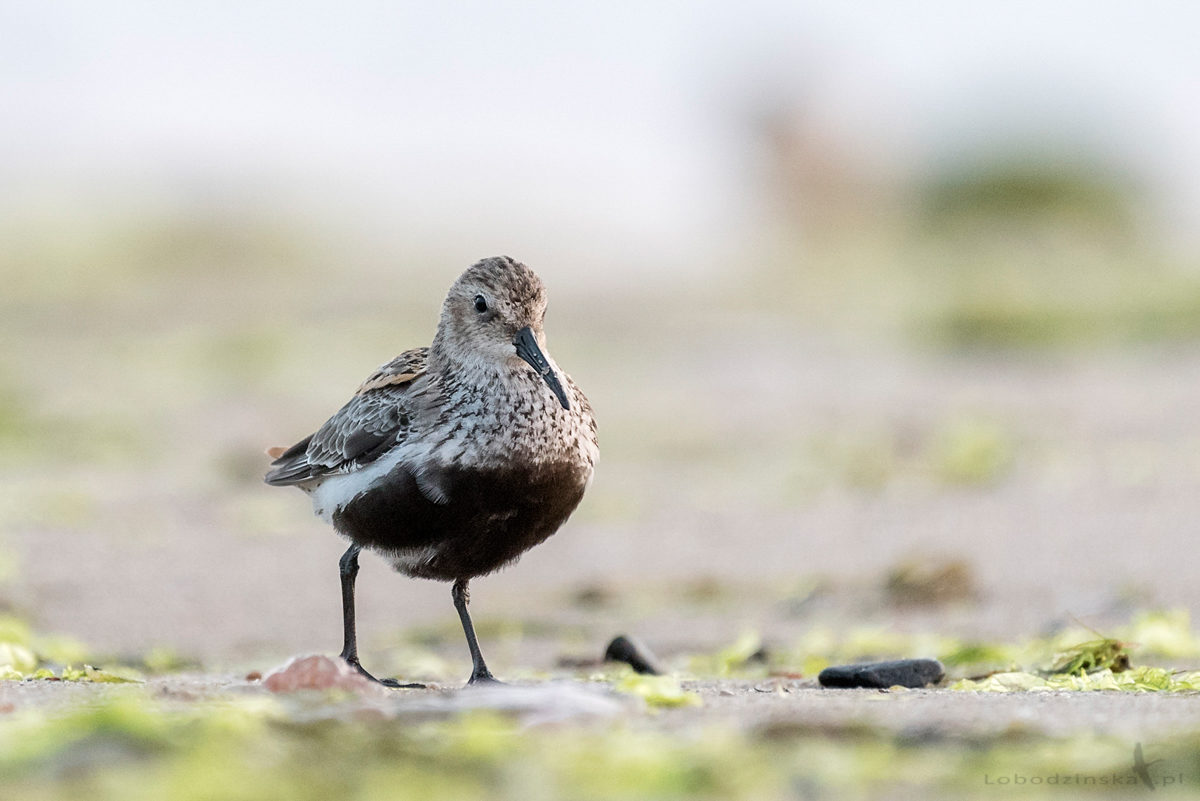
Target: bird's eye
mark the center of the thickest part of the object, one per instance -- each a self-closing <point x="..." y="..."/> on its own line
<point x="480" y="304"/>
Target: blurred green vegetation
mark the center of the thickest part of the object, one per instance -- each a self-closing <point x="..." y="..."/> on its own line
<point x="1126" y="307"/>
<point x="1009" y="250"/>
<point x="1036" y="252"/>
<point x="120" y="252"/>
<point x="261" y="748"/>
<point x="964" y="449"/>
<point x="1154" y="637"/>
<point x="170" y="741"/>
<point x="995" y="190"/>
<point x="30" y="434"/>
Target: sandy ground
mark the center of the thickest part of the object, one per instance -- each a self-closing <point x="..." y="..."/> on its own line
<point x="786" y="706"/>
<point x="754" y="476"/>
<point x="1095" y="516"/>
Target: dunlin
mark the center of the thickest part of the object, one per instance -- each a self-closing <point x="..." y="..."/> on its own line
<point x="453" y="460"/>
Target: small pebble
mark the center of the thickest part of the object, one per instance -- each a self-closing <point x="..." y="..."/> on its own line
<point x="881" y="675"/>
<point x="633" y="653"/>
<point x="317" y="672"/>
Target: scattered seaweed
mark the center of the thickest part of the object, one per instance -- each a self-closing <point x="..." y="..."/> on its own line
<point x="656" y="691"/>
<point x="746" y="657"/>
<point x="25" y="655"/>
<point x="1092" y="656"/>
<point x="1138" y="679"/>
<point x="255" y="747"/>
<point x="243" y="743"/>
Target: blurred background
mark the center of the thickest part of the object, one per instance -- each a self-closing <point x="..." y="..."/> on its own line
<point x="890" y="312"/>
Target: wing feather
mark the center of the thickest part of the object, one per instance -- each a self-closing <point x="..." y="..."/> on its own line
<point x="371" y="422"/>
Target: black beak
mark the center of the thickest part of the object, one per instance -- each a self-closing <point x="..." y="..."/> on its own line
<point x="527" y="349"/>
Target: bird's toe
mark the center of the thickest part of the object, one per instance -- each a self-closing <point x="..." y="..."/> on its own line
<point x="397" y="685"/>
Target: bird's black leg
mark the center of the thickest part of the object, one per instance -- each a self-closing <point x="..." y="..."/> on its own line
<point x="479" y="670"/>
<point x="348" y="567"/>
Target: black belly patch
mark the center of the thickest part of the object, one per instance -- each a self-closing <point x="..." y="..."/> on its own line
<point x="491" y="516"/>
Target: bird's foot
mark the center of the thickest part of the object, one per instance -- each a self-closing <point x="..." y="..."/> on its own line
<point x="354" y="663"/>
<point x="484" y="678"/>
<point x="412" y="685"/>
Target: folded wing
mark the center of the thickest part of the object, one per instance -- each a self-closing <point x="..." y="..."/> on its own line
<point x="374" y="420"/>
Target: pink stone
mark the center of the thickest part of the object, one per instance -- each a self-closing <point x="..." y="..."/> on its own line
<point x="316" y="672"/>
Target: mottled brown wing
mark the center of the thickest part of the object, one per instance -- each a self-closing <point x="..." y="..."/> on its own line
<point x="400" y="370"/>
<point x="374" y="420"/>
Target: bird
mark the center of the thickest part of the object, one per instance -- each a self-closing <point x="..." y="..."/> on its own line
<point x="452" y="460"/>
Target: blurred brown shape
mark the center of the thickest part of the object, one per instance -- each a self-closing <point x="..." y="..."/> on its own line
<point x="930" y="583"/>
<point x="592" y="596"/>
<point x="823" y="184"/>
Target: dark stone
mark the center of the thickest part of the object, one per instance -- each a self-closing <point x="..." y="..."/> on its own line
<point x="634" y="654"/>
<point x="902" y="672"/>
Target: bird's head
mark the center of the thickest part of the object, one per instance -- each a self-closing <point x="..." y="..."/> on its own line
<point x="493" y="317"/>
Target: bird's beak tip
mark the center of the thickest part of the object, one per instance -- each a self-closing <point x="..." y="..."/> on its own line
<point x="527" y="348"/>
